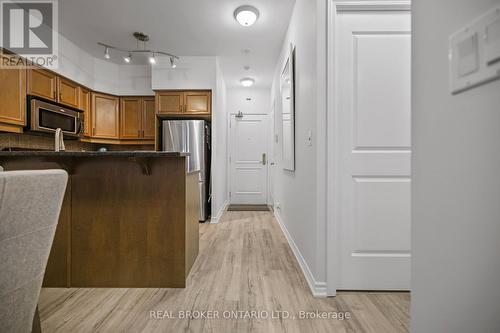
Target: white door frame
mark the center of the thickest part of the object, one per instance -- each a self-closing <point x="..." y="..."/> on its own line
<point x="230" y="152"/>
<point x="335" y="7"/>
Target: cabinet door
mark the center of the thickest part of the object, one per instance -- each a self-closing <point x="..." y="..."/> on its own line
<point x="105" y="116"/>
<point x="13" y="96"/>
<point x="170" y="102"/>
<point x="148" y="118"/>
<point x="197" y="102"/>
<point x="130" y="117"/>
<point x="85" y="107"/>
<point x="68" y="92"/>
<point x="42" y="83"/>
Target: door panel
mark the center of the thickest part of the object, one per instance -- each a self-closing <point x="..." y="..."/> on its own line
<point x="42" y="83"/>
<point x="148" y="118"/>
<point x="13" y="96"/>
<point x="248" y="165"/>
<point x="68" y="92"/>
<point x="170" y="102"/>
<point x="105" y="116"/>
<point x="374" y="141"/>
<point x="197" y="102"/>
<point x="85" y="107"/>
<point x="130" y="117"/>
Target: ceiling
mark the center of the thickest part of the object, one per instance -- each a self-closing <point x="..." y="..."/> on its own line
<point x="184" y="27"/>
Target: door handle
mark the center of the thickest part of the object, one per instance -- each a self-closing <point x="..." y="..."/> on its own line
<point x="264" y="159"/>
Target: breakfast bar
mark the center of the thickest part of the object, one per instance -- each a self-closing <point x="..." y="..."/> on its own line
<point x="129" y="219"/>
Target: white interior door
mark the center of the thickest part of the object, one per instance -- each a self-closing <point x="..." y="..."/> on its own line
<point x="374" y="57"/>
<point x="249" y="160"/>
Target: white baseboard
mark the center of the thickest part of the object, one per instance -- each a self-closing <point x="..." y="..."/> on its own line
<point x="216" y="219"/>
<point x="318" y="288"/>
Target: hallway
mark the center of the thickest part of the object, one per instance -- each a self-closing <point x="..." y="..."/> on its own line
<point x="245" y="264"/>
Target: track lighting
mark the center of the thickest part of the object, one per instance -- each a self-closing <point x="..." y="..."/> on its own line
<point x="106" y="53"/>
<point x="152" y="59"/>
<point x="141" y="38"/>
<point x="128" y="58"/>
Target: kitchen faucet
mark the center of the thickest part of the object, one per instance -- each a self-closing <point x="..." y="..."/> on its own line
<point x="59" y="140"/>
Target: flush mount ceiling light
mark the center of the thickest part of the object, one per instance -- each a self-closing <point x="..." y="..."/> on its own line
<point x="140" y="37"/>
<point x="247" y="82"/>
<point x="246" y="15"/>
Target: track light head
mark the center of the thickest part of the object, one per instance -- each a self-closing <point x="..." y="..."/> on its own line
<point x="172" y="62"/>
<point x="152" y="59"/>
<point x="106" y="53"/>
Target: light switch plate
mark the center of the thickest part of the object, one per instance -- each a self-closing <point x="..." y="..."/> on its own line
<point x="475" y="53"/>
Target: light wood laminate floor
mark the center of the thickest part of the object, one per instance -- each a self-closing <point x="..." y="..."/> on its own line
<point x="245" y="264"/>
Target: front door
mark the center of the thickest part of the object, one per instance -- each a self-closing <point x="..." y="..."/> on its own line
<point x="248" y="160"/>
<point x="374" y="57"/>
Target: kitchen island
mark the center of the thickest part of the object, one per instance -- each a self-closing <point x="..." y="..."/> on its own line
<point x="129" y="219"/>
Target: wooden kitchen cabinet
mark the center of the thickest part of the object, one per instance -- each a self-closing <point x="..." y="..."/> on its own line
<point x="84" y="101"/>
<point x="68" y="92"/>
<point x="13" y="99"/>
<point x="137" y="118"/>
<point x="170" y="102"/>
<point x="42" y="83"/>
<point x="148" y="118"/>
<point x="130" y="117"/>
<point x="105" y="116"/>
<point x="197" y="102"/>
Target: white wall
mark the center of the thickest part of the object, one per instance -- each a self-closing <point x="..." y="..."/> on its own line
<point x="190" y="73"/>
<point x="102" y="75"/>
<point x="219" y="147"/>
<point x="301" y="194"/>
<point x="456" y="185"/>
<point x="238" y="100"/>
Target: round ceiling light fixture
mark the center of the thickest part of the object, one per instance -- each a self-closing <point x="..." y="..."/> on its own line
<point x="247" y="82"/>
<point x="246" y="15"/>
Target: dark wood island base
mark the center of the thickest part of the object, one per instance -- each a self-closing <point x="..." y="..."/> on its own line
<point x="129" y="219"/>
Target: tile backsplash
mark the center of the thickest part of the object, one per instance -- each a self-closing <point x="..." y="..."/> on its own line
<point x="39" y="142"/>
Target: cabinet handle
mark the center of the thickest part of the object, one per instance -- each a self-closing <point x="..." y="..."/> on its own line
<point x="55" y="95"/>
<point x="139" y="133"/>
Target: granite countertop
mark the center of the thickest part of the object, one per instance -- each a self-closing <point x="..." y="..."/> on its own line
<point x="143" y="154"/>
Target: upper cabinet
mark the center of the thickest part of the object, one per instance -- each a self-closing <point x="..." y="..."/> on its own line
<point x="183" y="102"/>
<point x="197" y="102"/>
<point x="130" y="117"/>
<point x="137" y="118"/>
<point x="13" y="99"/>
<point x="48" y="85"/>
<point x="170" y="102"/>
<point x="105" y="116"/>
<point x="148" y="118"/>
<point x="85" y="107"/>
<point x="68" y="92"/>
<point x="42" y="83"/>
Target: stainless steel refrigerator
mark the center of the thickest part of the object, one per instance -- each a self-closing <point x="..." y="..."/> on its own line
<point x="191" y="136"/>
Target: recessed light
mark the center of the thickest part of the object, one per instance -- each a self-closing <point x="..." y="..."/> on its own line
<point x="246" y="15"/>
<point x="247" y="82"/>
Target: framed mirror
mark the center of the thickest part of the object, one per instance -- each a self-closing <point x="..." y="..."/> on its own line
<point x="287" y="90"/>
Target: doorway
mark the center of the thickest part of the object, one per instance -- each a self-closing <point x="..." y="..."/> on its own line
<point x="369" y="130"/>
<point x="248" y="159"/>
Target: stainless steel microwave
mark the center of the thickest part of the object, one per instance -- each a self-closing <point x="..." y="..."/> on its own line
<point x="47" y="117"/>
